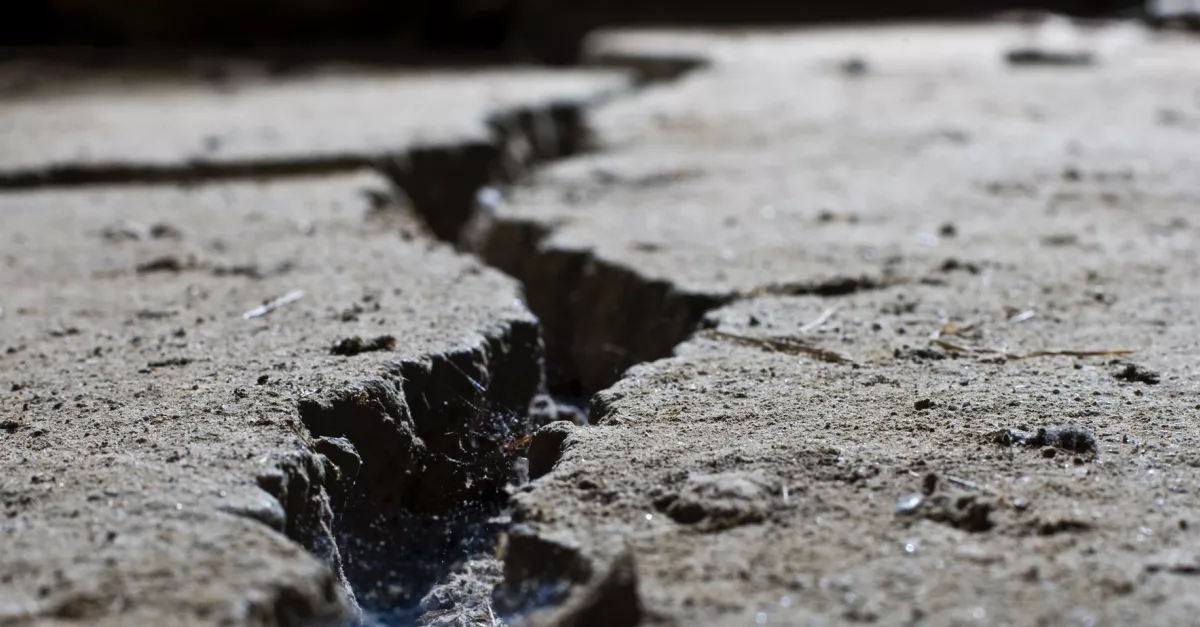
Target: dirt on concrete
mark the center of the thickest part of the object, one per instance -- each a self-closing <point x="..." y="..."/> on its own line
<point x="876" y="326"/>
<point x="954" y="380"/>
<point x="772" y="171"/>
<point x="165" y="433"/>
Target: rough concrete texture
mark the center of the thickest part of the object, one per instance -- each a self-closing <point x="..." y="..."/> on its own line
<point x="829" y="161"/>
<point x="918" y="407"/>
<point x="185" y="399"/>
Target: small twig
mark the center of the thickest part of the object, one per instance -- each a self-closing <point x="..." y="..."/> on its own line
<point x="267" y="308"/>
<point x="949" y="328"/>
<point x="788" y="345"/>
<point x="970" y="485"/>
<point x="961" y="348"/>
<point x="820" y="320"/>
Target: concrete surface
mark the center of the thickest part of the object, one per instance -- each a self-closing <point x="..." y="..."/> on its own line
<point x="759" y="483"/>
<point x="923" y="246"/>
<point x="324" y="116"/>
<point x="775" y="170"/>
<point x="160" y="437"/>
<point x="878" y="325"/>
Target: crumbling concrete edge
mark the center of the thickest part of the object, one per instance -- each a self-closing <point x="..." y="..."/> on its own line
<point x="390" y="421"/>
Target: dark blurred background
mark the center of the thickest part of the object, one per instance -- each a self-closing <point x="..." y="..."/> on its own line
<point x="547" y="31"/>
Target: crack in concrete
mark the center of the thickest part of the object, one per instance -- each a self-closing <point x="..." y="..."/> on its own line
<point x="406" y="470"/>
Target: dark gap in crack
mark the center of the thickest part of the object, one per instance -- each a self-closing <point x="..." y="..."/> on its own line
<point x="418" y="461"/>
<point x="563" y="288"/>
<point x="396" y="558"/>
<point x="408" y="472"/>
<point x="601" y="318"/>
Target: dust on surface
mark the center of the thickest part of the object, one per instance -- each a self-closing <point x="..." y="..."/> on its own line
<point x="954" y="381"/>
<point x="155" y="462"/>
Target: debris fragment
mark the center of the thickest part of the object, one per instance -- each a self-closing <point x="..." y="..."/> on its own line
<point x="949" y="327"/>
<point x="1137" y="374"/>
<point x="952" y="264"/>
<point x="267" y="308"/>
<point x="970" y="485"/>
<point x="354" y="345"/>
<point x="820" y="320"/>
<point x="168" y="263"/>
<point x="129" y="230"/>
<point x="918" y="354"/>
<point x="969" y="512"/>
<point x="829" y="215"/>
<point x="1049" y="525"/>
<point x="1022" y="316"/>
<point x="173" y="361"/>
<point x="1065" y="437"/>
<point x="923" y="404"/>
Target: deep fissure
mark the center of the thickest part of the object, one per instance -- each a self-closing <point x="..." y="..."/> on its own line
<point x="398" y="544"/>
<point x="398" y="539"/>
<point x="407" y="472"/>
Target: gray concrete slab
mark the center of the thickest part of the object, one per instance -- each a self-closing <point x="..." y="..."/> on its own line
<point x="905" y="272"/>
<point x="175" y="362"/>
<point x="757" y="482"/>
<point x="777" y="170"/>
